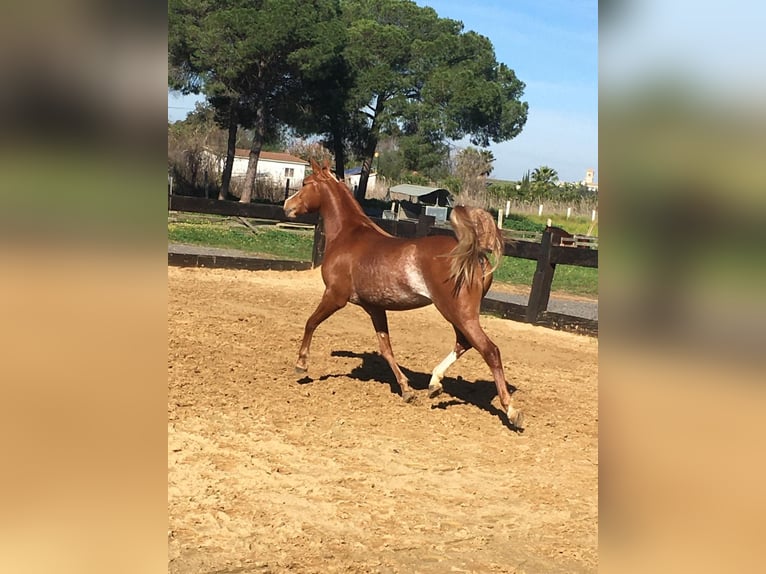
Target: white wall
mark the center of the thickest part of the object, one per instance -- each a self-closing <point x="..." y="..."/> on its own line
<point x="352" y="181"/>
<point x="274" y="169"/>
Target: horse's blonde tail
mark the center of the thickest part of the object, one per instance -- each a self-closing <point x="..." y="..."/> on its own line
<point x="477" y="236"/>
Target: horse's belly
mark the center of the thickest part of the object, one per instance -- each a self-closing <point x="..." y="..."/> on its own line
<point x="397" y="285"/>
<point x="394" y="298"/>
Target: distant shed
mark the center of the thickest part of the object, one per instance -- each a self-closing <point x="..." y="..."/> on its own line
<point x="422" y="194"/>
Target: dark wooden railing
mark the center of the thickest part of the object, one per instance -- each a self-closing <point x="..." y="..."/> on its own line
<point x="545" y="253"/>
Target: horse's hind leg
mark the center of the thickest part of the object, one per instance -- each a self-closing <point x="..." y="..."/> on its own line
<point x="327" y="306"/>
<point x="491" y="355"/>
<point x="461" y="346"/>
<point x="380" y="322"/>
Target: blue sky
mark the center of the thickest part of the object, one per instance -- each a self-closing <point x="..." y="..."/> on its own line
<point x="553" y="48"/>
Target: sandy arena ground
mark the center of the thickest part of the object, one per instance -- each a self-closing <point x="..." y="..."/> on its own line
<point x="270" y="471"/>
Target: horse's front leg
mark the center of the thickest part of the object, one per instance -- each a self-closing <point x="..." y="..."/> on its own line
<point x="380" y="322"/>
<point x="330" y="303"/>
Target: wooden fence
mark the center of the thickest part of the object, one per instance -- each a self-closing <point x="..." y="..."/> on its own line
<point x="545" y="253"/>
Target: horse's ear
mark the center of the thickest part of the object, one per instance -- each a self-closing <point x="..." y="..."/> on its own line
<point x="327" y="170"/>
<point x="315" y="166"/>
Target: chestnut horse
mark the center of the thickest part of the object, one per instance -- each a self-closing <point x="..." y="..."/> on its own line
<point x="366" y="266"/>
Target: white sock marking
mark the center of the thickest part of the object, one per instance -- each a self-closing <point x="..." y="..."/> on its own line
<point x="441" y="368"/>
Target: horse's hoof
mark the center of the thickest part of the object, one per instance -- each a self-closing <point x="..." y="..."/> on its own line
<point x="516" y="418"/>
<point x="300" y="370"/>
<point x="434" y="391"/>
<point x="408" y="396"/>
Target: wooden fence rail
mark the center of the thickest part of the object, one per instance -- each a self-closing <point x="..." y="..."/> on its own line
<point x="545" y="253"/>
<point x="234" y="209"/>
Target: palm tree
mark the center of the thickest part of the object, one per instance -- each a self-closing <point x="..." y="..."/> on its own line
<point x="545" y="175"/>
<point x="488" y="158"/>
<point x="544" y="180"/>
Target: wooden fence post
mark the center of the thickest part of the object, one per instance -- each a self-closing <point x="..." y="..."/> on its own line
<point x="541" y="282"/>
<point x="317" y="252"/>
<point x="425" y="222"/>
<point x="287" y="188"/>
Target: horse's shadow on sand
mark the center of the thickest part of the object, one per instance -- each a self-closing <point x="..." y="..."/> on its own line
<point x="457" y="391"/>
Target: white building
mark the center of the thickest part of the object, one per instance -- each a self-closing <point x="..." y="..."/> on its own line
<point x="353" y="175"/>
<point x="588" y="181"/>
<point x="276" y="166"/>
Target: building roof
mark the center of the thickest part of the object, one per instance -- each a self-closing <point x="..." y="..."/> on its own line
<point x="272" y="156"/>
<point x="415" y="190"/>
<point x="356" y="171"/>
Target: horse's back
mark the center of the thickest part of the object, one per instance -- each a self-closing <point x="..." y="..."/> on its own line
<point x="388" y="251"/>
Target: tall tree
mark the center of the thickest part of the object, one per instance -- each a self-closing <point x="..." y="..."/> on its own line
<point x="420" y="76"/>
<point x="425" y="155"/>
<point x="325" y="107"/>
<point x="202" y="60"/>
<point x="249" y="58"/>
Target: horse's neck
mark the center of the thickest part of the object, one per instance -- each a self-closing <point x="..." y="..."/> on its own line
<point x="342" y="214"/>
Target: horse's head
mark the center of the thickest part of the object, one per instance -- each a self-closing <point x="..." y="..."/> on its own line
<point x="308" y="198"/>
